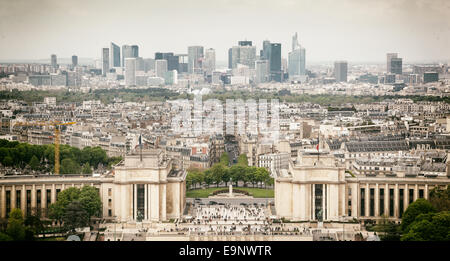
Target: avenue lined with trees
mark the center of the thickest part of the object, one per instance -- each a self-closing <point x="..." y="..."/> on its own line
<point x="222" y="173"/>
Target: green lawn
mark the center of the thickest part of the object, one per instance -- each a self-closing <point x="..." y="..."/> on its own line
<point x="255" y="192"/>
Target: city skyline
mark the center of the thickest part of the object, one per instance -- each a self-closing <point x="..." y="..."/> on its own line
<point x="355" y="31"/>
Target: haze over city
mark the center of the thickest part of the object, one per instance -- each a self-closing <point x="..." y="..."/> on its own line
<point x="357" y="31"/>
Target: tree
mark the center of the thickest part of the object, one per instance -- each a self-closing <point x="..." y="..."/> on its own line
<point x="420" y="206"/>
<point x="429" y="227"/>
<point x="388" y="230"/>
<point x="7" y="161"/>
<point x="86" y="168"/>
<point x="440" y="199"/>
<point x="5" y="237"/>
<point x="65" y="197"/>
<point x="237" y="173"/>
<point x="242" y="160"/>
<point x="75" y="216"/>
<point x="90" y="201"/>
<point x="69" y="166"/>
<point x="208" y="177"/>
<point x="217" y="171"/>
<point x="15" y="228"/>
<point x="34" y="163"/>
<point x="225" y="159"/>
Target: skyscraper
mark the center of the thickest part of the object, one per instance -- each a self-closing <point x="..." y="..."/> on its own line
<point x="161" y="68"/>
<point x="105" y="61"/>
<point x="275" y="62"/>
<point x="296" y="58"/>
<point x="54" y="62"/>
<point x="114" y="56"/>
<point x="209" y="64"/>
<point x="129" y="51"/>
<point x="74" y="60"/>
<point x="172" y="60"/>
<point x="340" y="71"/>
<point x="388" y="62"/>
<point x="244" y="54"/>
<point x="396" y="65"/>
<point x="262" y="71"/>
<point x="195" y="59"/>
<point x="130" y="71"/>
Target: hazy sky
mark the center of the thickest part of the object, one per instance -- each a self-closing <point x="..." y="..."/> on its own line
<point x="354" y="30"/>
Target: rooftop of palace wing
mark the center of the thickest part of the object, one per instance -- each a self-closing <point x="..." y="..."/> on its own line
<point x="151" y="158"/>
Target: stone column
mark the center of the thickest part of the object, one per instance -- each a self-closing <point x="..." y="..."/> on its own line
<point x="23" y="200"/>
<point x="163" y="203"/>
<point x="416" y="192"/>
<point x="313" y="207"/>
<point x="145" y="201"/>
<point x="355" y="200"/>
<point x="396" y="201"/>
<point x="63" y="186"/>
<point x="135" y="202"/>
<point x="3" y="202"/>
<point x="377" y="200"/>
<point x="386" y="199"/>
<point x="367" y="201"/>
<point x="426" y="191"/>
<point x="154" y="199"/>
<point x="33" y="199"/>
<point x="405" y="198"/>
<point x="13" y="197"/>
<point x="53" y="194"/>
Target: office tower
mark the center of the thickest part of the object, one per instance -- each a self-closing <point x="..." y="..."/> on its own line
<point x="161" y="68"/>
<point x="296" y="59"/>
<point x="340" y="71"/>
<point x="54" y="62"/>
<point x="396" y="66"/>
<point x="275" y="62"/>
<point x="130" y="71"/>
<point x="140" y="66"/>
<point x="171" y="77"/>
<point x="114" y="56"/>
<point x="129" y="51"/>
<point x="74" y="60"/>
<point x="195" y="59"/>
<point x="105" y="61"/>
<point x="183" y="61"/>
<point x="244" y="54"/>
<point x="245" y="43"/>
<point x="209" y="65"/>
<point x="172" y="60"/>
<point x="149" y="64"/>
<point x="430" y="77"/>
<point x="262" y="71"/>
<point x="265" y="54"/>
<point x="388" y="62"/>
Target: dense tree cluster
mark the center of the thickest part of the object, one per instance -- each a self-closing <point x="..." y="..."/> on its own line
<point x="75" y="206"/>
<point x="42" y="157"/>
<point x="19" y="228"/>
<point x="221" y="173"/>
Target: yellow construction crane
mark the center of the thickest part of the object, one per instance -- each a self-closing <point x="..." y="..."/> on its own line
<point x="56" y="125"/>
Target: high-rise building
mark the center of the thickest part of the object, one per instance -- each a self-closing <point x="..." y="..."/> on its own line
<point x="114" y="56"/>
<point x="130" y="71"/>
<point x="340" y="71"/>
<point x="172" y="60"/>
<point x="129" y="51"/>
<point x="296" y="59"/>
<point x="183" y="61"/>
<point x="140" y="65"/>
<point x="396" y="65"/>
<point x="195" y="59"/>
<point x="209" y="65"/>
<point x="54" y="62"/>
<point x="389" y="56"/>
<point x="275" y="62"/>
<point x="245" y="43"/>
<point x="244" y="54"/>
<point x="149" y="64"/>
<point x="74" y="60"/>
<point x="161" y="68"/>
<point x="105" y="61"/>
<point x="262" y="71"/>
